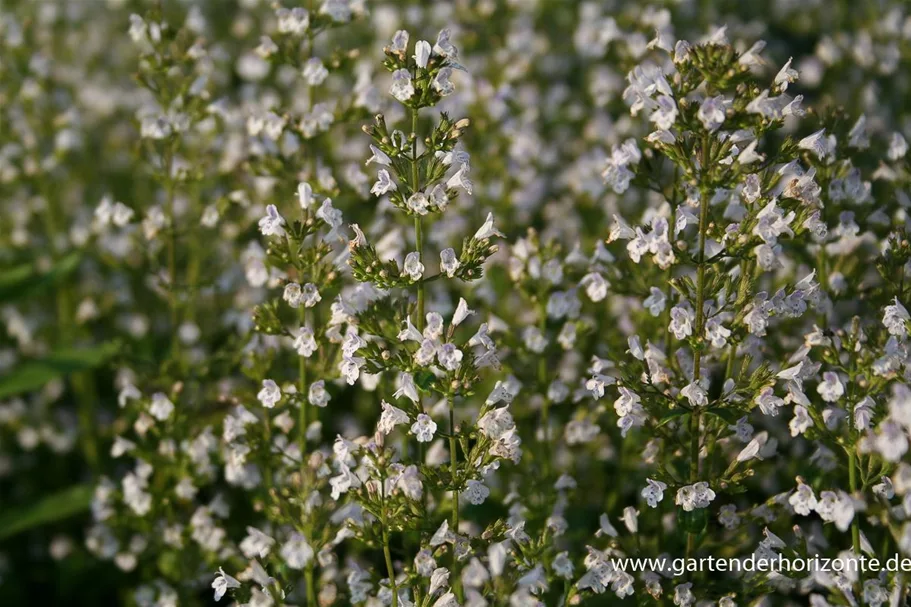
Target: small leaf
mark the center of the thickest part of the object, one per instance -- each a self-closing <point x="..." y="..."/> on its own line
<point x="32" y="374"/>
<point x="27" y="280"/>
<point x="694" y="521"/>
<point x="728" y="415"/>
<point x="672" y="415"/>
<point x="424" y="379"/>
<point x="56" y="507"/>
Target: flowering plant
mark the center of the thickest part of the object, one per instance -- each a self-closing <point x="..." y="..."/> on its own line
<point x="396" y="304"/>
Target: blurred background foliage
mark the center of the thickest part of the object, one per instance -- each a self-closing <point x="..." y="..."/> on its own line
<point x="57" y="396"/>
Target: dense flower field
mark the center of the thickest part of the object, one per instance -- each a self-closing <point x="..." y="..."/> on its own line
<point x="454" y="303"/>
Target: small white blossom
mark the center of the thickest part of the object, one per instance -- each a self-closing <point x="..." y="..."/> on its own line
<point x="424" y="428"/>
<point x="270" y="394"/>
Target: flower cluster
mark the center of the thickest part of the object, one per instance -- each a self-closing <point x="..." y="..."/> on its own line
<point x="453" y="304"/>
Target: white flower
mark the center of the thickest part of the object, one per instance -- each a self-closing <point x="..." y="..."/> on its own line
<point x="399" y="42"/>
<point x="563" y="566"/>
<point x="138" y="28"/>
<point x="449" y="357"/>
<point x="487" y="230"/>
<point x="443" y="46"/>
<point x="460" y="179"/>
<point x="390" y="418"/>
<point x="425" y="354"/>
<point x="683" y="596"/>
<point x="270" y="394"/>
<point x="421" y="53"/>
<point x="836" y="508"/>
<point x="296" y="552"/>
<point x="605" y="527"/>
<point x="655" y="302"/>
<point x="449" y="263"/>
<point x="121" y="215"/>
<point x="682" y="321"/>
<point x="310" y="295"/>
<point x="696" y="394"/>
<point x="305" y="195"/>
<point x="350" y="368"/>
<point x="424" y="428"/>
<point x="831" y="389"/>
<point x="891" y="441"/>
<point x="317" y="394"/>
<point x="273" y="223"/>
<point x="384" y="183"/>
<point x="817" y="143"/>
<point x="863" y="413"/>
<point x="257" y="544"/>
<point x="786" y="75"/>
<point x="803" y="500"/>
<point x="292" y="294"/>
<point x="631" y="519"/>
<point x="698" y="495"/>
<point x="418" y="203"/>
<point x="753" y="448"/>
<point x="767" y="402"/>
<point x="161" y="407"/>
<point x="413" y="267"/>
<point x="314" y="71"/>
<point x="665" y="113"/>
<point x="424" y="563"/>
<point x="627" y="402"/>
<point x="898" y="147"/>
<point x="895" y="319"/>
<point x="293" y="21"/>
<point x="438" y="197"/>
<point x="716" y="333"/>
<point x="304" y="342"/>
<point x="711" y="113"/>
<point x="461" y="313"/>
<point x="379" y="156"/>
<point x="360" y="240"/>
<point x="653" y="492"/>
<point x="441" y="83"/>
<point x="858" y="136"/>
<point x="401" y="88"/>
<point x="751" y="188"/>
<point x="408" y="389"/>
<point x="222" y="583"/>
<point x="595" y="286"/>
<point x="438" y="580"/>
<point x="476" y="492"/>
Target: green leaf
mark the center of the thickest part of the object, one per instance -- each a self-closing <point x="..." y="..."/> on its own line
<point x="729" y="415"/>
<point x="424" y="379"/>
<point x="34" y="373"/>
<point x="672" y="415"/>
<point x="56" y="507"/>
<point x="27" y="280"/>
<point x="694" y="521"/>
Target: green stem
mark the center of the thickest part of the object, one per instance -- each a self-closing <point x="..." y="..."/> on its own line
<point x="267" y="440"/>
<point x="453" y="471"/>
<point x="855" y="524"/>
<point x="302" y="391"/>
<point x="453" y="467"/>
<point x="386" y="553"/>
<point x="418" y="223"/>
<point x="852" y="484"/>
<point x="82" y="384"/>
<point x="311" y="587"/>
<point x="419" y="238"/>
<point x="545" y="407"/>
<point x="168" y="165"/>
<point x="700" y="325"/>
